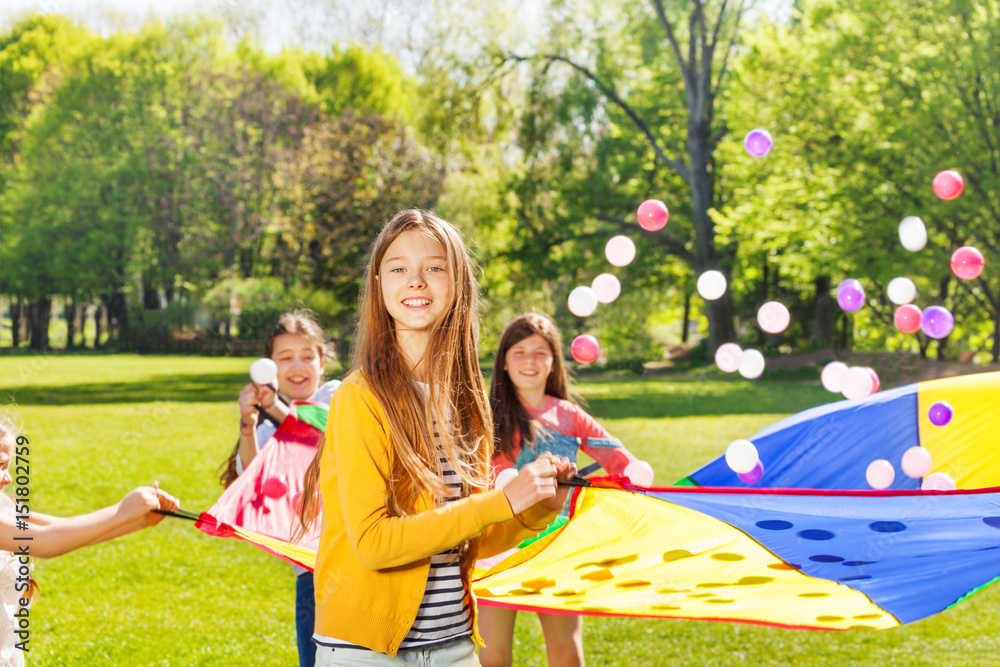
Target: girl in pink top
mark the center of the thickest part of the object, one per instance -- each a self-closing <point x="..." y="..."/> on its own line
<point x="534" y="411"/>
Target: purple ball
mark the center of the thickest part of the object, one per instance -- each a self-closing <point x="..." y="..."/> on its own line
<point x="938" y="322"/>
<point x="752" y="476"/>
<point x="758" y="143"/>
<point x="851" y="295"/>
<point x="940" y="413"/>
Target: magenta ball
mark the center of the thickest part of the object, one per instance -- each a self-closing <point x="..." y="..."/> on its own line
<point x="758" y="143"/>
<point x="851" y="295"/>
<point x="967" y="262"/>
<point x="940" y="413"/>
<point x="948" y="184"/>
<point x="652" y="215"/>
<point x="585" y="349"/>
<point x="908" y="318"/>
<point x="754" y="475"/>
<point x="273" y="487"/>
<point x="937" y="322"/>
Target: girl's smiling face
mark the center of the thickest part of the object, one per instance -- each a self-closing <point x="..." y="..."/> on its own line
<point x="300" y="366"/>
<point x="417" y="285"/>
<point x="529" y="363"/>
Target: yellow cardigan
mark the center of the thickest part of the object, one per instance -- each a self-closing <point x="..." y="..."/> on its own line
<point x="371" y="568"/>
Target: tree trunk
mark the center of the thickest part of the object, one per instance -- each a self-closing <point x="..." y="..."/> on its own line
<point x="82" y="310"/>
<point x="42" y="309"/>
<point x="69" y="313"/>
<point x="15" y="321"/>
<point x="29" y="323"/>
<point x="721" y="328"/>
<point x="687" y="317"/>
<point x="824" y="313"/>
<point x="98" y="314"/>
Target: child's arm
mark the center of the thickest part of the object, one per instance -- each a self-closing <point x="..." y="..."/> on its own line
<point x="53" y="536"/>
<point x="600" y="445"/>
<point x="359" y="453"/>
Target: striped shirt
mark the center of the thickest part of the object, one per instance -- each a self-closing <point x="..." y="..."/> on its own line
<point x="444" y="614"/>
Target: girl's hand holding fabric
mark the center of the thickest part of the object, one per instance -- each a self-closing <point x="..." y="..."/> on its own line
<point x="537" y="483"/>
<point x="137" y="506"/>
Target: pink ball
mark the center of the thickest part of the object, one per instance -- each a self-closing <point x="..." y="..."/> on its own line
<point x="857" y="383"/>
<point x="880" y="474"/>
<point x="908" y="318"/>
<point x="948" y="184"/>
<point x="967" y="262"/>
<point x="585" y="349"/>
<point x="729" y="357"/>
<point x="938" y="481"/>
<point x="653" y="215"/>
<point x="639" y="473"/>
<point x="274" y="487"/>
<point x="876" y="383"/>
<point x="916" y="462"/>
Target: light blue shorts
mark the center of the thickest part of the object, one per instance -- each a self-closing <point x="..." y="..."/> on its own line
<point x="461" y="653"/>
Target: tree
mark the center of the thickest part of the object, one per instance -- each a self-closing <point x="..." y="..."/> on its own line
<point x="636" y="63"/>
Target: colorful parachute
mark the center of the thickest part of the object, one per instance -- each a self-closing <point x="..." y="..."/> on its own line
<point x="830" y="446"/>
<point x="812" y="560"/>
<point x="817" y="554"/>
<point x="260" y="506"/>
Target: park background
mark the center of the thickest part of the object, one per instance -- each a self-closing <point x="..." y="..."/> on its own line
<point x="171" y="182"/>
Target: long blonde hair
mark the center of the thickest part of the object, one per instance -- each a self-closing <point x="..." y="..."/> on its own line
<point x="456" y="401"/>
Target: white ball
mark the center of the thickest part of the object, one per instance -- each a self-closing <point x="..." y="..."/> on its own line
<point x="504" y="477"/>
<point x="263" y="371"/>
<point x="606" y="287"/>
<point x="620" y="250"/>
<point x="833" y="376"/>
<point x="773" y="317"/>
<point x="901" y="290"/>
<point x="741" y="456"/>
<point x="857" y="383"/>
<point x="880" y="474"/>
<point x="912" y="233"/>
<point x="711" y="285"/>
<point x="753" y="364"/>
<point x="640" y="473"/>
<point x="582" y="301"/>
<point x="728" y="357"/>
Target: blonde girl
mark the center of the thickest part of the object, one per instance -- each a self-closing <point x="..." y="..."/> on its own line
<point x="405" y="472"/>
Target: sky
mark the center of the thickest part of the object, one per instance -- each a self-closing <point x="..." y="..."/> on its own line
<point x="314" y="24"/>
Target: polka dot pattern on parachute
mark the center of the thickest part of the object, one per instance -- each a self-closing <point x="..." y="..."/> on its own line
<point x="992" y="521"/>
<point x="887" y="526"/>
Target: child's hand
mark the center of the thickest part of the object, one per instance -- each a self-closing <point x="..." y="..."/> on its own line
<point x="138" y="503"/>
<point x="567" y="471"/>
<point x="249" y="399"/>
<point x="536" y="482"/>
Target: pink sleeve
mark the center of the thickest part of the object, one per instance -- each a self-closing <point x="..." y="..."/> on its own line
<point x="610" y="452"/>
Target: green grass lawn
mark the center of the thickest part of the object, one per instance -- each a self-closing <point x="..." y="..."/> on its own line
<point x="100" y="425"/>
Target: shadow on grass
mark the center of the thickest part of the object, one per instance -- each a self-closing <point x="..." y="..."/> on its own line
<point x="657" y="399"/>
<point x="185" y="388"/>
